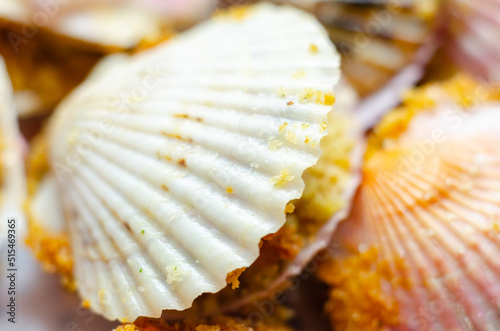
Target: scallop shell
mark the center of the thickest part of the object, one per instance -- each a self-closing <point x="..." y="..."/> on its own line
<point x="473" y="34"/>
<point x="379" y="39"/>
<point x="12" y="179"/>
<point x="420" y="250"/>
<point x="174" y="164"/>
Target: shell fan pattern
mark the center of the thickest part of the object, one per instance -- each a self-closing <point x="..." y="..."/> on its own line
<point x="175" y="162"/>
<point x="420" y="249"/>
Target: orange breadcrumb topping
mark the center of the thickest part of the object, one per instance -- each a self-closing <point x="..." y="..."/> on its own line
<point x="217" y="323"/>
<point x="282" y="179"/>
<point x="237" y="13"/>
<point x="51" y="249"/>
<point x="356" y="300"/>
<point x="86" y="304"/>
<point x="232" y="278"/>
<point x="326" y="181"/>
<point x="322" y="98"/>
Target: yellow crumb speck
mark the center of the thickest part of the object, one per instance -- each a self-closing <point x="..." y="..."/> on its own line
<point x="232" y="278"/>
<point x="174" y="274"/>
<point x="313" y="49"/>
<point x="101" y="294"/>
<point x="237" y="13"/>
<point x="290" y="207"/>
<point x="316" y="96"/>
<point x="283" y="178"/>
<point x="304" y="126"/>
<point x="273" y="144"/>
<point x="323" y="126"/>
<point x="126" y="327"/>
<point x="329" y="99"/>
<point x="86" y="304"/>
<point x="299" y="74"/>
<point x="282" y="128"/>
<point x="229" y="189"/>
<point x="291" y="137"/>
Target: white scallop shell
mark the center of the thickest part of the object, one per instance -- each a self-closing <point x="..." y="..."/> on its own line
<point x="177" y="162"/>
<point x="430" y="206"/>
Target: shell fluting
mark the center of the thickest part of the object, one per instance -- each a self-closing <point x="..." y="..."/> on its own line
<point x="174" y="163"/>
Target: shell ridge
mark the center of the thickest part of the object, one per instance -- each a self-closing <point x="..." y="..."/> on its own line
<point x="165" y="292"/>
<point x="220" y="189"/>
<point x="149" y="228"/>
<point x="411" y="256"/>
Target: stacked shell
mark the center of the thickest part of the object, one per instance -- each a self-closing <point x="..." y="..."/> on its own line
<point x="171" y="168"/>
<point x="419" y="251"/>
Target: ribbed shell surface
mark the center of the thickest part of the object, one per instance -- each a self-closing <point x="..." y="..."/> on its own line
<point x="174" y="163"/>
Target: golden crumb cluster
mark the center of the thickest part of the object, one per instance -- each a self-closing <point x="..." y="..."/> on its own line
<point x="356" y="300"/>
<point x="327" y="179"/>
<point x="51" y="249"/>
<point x="237" y="12"/>
<point x="461" y="90"/>
<point x="218" y="323"/>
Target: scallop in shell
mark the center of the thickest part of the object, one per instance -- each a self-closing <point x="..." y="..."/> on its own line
<point x="12" y="178"/>
<point x="175" y="164"/>
<point x="419" y="251"/>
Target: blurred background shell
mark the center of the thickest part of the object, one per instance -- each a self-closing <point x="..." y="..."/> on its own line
<point x="12" y="175"/>
<point x="377" y="39"/>
<point x="51" y="46"/>
<point x="419" y="251"/>
<point x="473" y="29"/>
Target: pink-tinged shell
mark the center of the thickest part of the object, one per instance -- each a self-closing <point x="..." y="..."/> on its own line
<point x="473" y="31"/>
<point x="429" y="206"/>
